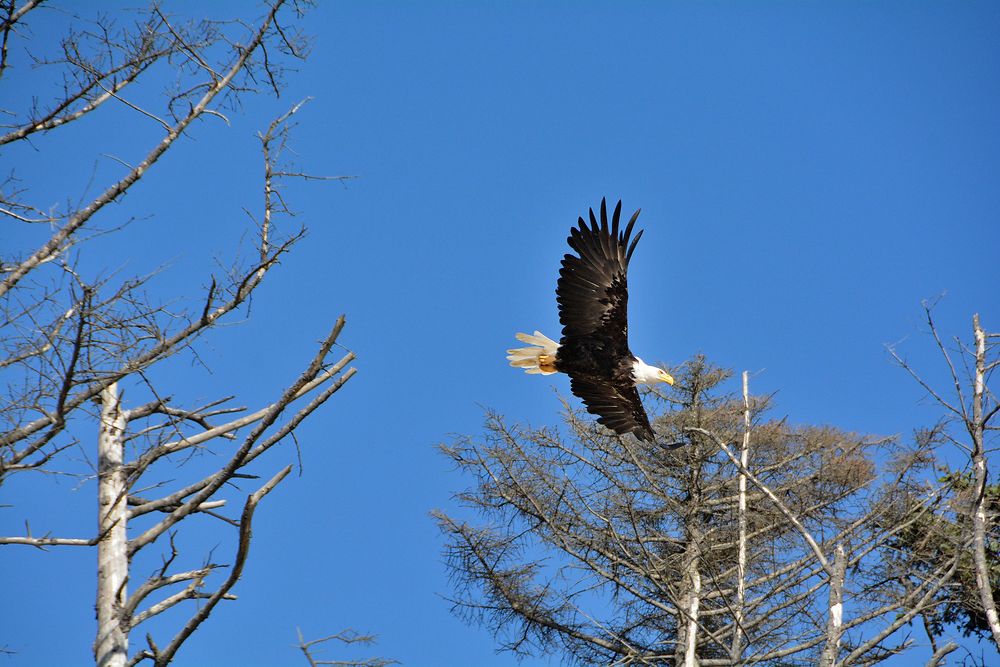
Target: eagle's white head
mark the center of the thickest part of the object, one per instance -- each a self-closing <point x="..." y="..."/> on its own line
<point x="646" y="374"/>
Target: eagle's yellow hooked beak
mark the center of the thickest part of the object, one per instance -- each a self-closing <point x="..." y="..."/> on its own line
<point x="666" y="377"/>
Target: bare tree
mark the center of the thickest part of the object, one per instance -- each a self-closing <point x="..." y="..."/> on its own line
<point x="967" y="524"/>
<point x="613" y="551"/>
<point x="79" y="352"/>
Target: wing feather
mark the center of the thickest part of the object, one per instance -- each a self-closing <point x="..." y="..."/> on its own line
<point x="617" y="406"/>
<point x="615" y="217"/>
<point x="635" y="242"/>
<point x="593" y="286"/>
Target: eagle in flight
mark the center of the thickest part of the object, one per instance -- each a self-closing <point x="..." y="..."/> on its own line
<point x="592" y="294"/>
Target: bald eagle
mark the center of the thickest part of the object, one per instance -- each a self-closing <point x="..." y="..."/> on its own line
<point x="592" y="294"/>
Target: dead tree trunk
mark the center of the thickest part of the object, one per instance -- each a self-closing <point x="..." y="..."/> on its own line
<point x="835" y="618"/>
<point x="977" y="429"/>
<point x="736" y="650"/>
<point x="691" y="648"/>
<point x="686" y="653"/>
<point x="111" y="647"/>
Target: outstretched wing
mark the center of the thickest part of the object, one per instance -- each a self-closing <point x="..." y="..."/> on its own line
<point x="616" y="405"/>
<point x="593" y="291"/>
<point x="593" y="308"/>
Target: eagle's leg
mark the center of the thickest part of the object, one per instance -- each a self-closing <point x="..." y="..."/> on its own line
<point x="547" y="363"/>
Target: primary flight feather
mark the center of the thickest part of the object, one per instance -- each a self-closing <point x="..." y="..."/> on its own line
<point x="592" y="294"/>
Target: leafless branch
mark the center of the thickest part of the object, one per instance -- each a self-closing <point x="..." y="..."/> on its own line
<point x="42" y="542"/>
<point x="59" y="239"/>
<point x="792" y="519"/>
<point x="164" y="657"/>
<point x="14" y="14"/>
<point x="74" y="347"/>
<point x="348" y="637"/>
<point x="941" y="653"/>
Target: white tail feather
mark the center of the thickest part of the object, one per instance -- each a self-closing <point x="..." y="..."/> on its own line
<point x="528" y="358"/>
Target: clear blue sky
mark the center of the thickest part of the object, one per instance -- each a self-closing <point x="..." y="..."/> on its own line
<point x="808" y="173"/>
